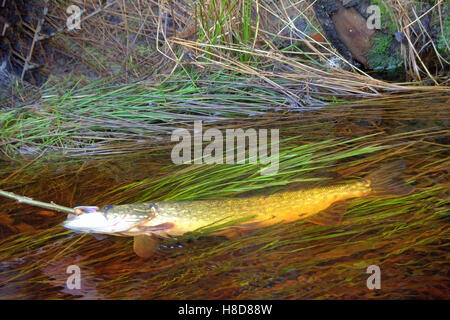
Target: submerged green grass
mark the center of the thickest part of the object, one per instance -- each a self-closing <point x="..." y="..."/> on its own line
<point x="405" y="236"/>
<point x="86" y="117"/>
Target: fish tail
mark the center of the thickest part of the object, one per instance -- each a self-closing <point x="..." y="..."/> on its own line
<point x="385" y="181"/>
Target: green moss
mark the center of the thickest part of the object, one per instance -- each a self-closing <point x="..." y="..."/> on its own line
<point x="444" y="36"/>
<point x="381" y="44"/>
<point x="384" y="56"/>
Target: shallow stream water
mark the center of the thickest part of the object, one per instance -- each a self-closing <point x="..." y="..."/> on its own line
<point x="407" y="237"/>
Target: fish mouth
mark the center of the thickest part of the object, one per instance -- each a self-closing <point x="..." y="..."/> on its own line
<point x="86" y="219"/>
<point x="95" y="220"/>
<point x="71" y="217"/>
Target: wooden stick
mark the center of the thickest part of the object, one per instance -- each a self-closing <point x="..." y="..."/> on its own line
<point x="27" y="200"/>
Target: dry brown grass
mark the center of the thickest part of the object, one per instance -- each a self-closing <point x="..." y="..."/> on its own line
<point x="130" y="40"/>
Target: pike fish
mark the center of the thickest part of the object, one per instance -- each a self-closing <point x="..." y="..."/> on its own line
<point x="148" y="222"/>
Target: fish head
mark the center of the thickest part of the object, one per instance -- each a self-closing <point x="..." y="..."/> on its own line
<point x="140" y="219"/>
<point x="105" y="220"/>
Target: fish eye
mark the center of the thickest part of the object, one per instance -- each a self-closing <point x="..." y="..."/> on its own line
<point x="108" y="207"/>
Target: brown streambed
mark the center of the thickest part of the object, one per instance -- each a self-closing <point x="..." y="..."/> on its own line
<point x="406" y="237"/>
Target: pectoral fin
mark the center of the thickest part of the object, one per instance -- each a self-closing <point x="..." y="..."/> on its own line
<point x="329" y="216"/>
<point x="155" y="228"/>
<point x="144" y="246"/>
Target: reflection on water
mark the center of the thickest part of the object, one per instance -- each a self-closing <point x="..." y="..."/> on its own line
<point x="405" y="236"/>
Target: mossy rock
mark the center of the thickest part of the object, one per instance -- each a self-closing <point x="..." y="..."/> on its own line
<point x="385" y="53"/>
<point x="444" y="38"/>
